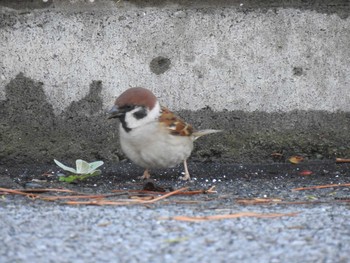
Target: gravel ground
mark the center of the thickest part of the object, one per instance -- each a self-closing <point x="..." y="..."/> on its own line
<point x="41" y="231"/>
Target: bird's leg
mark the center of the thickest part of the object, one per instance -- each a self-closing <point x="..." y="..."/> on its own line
<point x="187" y="174"/>
<point x="145" y="175"/>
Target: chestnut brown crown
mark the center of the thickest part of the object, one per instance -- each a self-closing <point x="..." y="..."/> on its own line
<point x="136" y="97"/>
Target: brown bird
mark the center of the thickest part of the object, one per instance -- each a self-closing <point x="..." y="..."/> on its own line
<point x="150" y="135"/>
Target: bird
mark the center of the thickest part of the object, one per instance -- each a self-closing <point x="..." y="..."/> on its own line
<point x="150" y="135"/>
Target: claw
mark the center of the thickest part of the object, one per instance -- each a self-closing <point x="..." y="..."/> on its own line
<point x="146" y="175"/>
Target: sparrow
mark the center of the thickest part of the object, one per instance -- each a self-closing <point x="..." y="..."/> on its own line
<point x="152" y="136"/>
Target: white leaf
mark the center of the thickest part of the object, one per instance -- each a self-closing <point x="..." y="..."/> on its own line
<point x="83" y="167"/>
<point x="94" y="165"/>
<point x="64" y="167"/>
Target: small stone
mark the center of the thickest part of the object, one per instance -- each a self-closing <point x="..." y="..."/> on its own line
<point x="180" y="14"/>
<point x="32" y="185"/>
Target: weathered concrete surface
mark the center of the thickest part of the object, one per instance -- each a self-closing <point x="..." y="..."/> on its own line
<point x="274" y="76"/>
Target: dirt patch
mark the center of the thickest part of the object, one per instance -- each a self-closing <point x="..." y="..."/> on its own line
<point x="31" y="133"/>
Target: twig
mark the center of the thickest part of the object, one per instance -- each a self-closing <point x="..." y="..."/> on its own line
<point x="231" y="216"/>
<point x="125" y="202"/>
<point x="194" y="192"/>
<point x="251" y="202"/>
<point x="164" y="196"/>
<point x="54" y="198"/>
<point x="100" y="202"/>
<point x="17" y="192"/>
<point x="148" y="199"/>
<point x="44" y="190"/>
<point x="140" y="192"/>
<point x="320" y="187"/>
<point x="342" y="160"/>
<point x="258" y="201"/>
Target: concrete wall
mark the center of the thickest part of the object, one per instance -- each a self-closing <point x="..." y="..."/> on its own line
<point x="274" y="75"/>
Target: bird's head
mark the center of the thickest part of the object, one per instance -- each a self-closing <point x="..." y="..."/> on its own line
<point x="135" y="107"/>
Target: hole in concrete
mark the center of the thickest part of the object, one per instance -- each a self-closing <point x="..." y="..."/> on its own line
<point x="297" y="71"/>
<point x="159" y="65"/>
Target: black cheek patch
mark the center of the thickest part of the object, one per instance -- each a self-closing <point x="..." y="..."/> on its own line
<point x="140" y="114"/>
<point x="124" y="125"/>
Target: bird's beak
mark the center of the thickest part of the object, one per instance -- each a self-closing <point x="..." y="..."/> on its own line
<point x="115" y="112"/>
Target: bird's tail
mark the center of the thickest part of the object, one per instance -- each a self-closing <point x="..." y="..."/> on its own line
<point x="200" y="133"/>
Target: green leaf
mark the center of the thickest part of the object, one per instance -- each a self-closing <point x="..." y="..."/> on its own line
<point x="96" y="172"/>
<point x="69" y="179"/>
<point x="76" y="177"/>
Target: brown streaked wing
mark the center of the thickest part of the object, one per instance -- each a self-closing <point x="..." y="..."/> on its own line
<point x="175" y="125"/>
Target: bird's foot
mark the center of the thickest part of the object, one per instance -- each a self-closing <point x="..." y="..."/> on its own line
<point x="146" y="175"/>
<point x="187" y="176"/>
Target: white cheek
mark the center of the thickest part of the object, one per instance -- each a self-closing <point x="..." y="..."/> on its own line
<point x="130" y="120"/>
<point x="133" y="122"/>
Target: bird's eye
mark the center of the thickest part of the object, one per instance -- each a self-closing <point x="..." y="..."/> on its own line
<point x="128" y="107"/>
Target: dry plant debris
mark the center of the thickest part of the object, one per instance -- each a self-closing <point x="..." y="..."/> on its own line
<point x="305" y="173"/>
<point x="320" y="187"/>
<point x="230" y="216"/>
<point x="258" y="201"/>
<point x="296" y="159"/>
<point x="274" y="201"/>
<point x="342" y="160"/>
<point x="193" y="192"/>
<point x="127" y="201"/>
<point x="132" y="196"/>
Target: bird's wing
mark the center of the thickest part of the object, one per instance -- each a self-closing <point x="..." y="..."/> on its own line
<point x="174" y="124"/>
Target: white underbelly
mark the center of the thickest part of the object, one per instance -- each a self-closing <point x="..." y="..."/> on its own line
<point x="156" y="151"/>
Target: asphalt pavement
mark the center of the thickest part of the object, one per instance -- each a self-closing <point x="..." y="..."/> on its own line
<point x="315" y="226"/>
